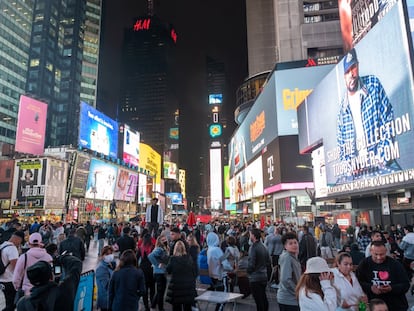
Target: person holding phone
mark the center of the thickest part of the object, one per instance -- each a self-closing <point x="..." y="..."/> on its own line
<point x="314" y="290"/>
<point x="383" y="277"/>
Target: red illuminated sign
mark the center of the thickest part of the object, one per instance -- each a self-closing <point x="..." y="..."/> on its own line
<point x="142" y="24"/>
<point x="174" y="35"/>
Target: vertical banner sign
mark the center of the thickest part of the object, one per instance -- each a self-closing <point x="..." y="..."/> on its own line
<point x="56" y="184"/>
<point x="31" y="126"/>
<point x="385" y="204"/>
<point x="29" y="183"/>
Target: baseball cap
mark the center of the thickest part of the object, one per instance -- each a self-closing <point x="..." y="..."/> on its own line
<point x="316" y="265"/>
<point x="40" y="273"/>
<point x="35" y="238"/>
<point x="350" y="59"/>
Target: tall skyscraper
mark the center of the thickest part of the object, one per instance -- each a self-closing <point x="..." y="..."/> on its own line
<point x="52" y="50"/>
<point x="281" y="31"/>
<point x="90" y="59"/>
<point x="55" y="65"/>
<point x="15" y="30"/>
<point x="147" y="101"/>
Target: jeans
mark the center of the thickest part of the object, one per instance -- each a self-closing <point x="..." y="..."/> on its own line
<point x="161" y="283"/>
<point x="258" y="290"/>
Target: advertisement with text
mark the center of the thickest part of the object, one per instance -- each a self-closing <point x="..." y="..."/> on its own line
<point x="362" y="113"/>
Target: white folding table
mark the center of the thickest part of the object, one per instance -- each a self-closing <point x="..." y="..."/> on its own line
<point x="219" y="298"/>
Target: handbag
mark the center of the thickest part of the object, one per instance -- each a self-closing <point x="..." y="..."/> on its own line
<point x="20" y="292"/>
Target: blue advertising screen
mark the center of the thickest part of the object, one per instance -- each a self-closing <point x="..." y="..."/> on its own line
<point x="176" y="198"/>
<point x="98" y="132"/>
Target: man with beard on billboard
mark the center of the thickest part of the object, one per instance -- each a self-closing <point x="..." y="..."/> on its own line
<point x="365" y="126"/>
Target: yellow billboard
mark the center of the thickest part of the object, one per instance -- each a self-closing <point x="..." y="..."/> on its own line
<point x="150" y="160"/>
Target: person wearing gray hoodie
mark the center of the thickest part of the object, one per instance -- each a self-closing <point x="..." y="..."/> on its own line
<point x="215" y="267"/>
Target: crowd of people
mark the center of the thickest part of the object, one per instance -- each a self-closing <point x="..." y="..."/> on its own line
<point x="311" y="267"/>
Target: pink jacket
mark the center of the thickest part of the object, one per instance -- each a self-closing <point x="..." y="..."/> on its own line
<point x="34" y="255"/>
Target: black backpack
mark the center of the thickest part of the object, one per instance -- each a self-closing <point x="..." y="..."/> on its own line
<point x="2" y="266"/>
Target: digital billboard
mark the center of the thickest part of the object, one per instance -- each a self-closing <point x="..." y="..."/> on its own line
<point x="143" y="192"/>
<point x="101" y="180"/>
<point x="80" y="174"/>
<point x="248" y="183"/>
<point x="150" y="160"/>
<point x="29" y="183"/>
<point x="358" y="17"/>
<point x="130" y="154"/>
<point x="97" y="132"/>
<point x="126" y="185"/>
<point x="296" y="171"/>
<point x="56" y="178"/>
<point x="273" y="113"/>
<point x="170" y="170"/>
<point x="216" y="180"/>
<point x="175" y="197"/>
<point x="365" y="107"/>
<point x="31" y="126"/>
<point x="226" y="180"/>
<point x="215" y="99"/>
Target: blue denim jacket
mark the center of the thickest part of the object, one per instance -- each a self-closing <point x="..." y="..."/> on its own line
<point x="157" y="256"/>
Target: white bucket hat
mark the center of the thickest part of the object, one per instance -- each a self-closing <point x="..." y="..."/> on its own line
<point x="316" y="265"/>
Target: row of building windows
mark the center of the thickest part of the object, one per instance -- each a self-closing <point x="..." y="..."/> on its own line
<point x="12" y="79"/>
<point x="8" y="38"/>
<point x="321" y="18"/>
<point x="7" y="133"/>
<point x="6" y="104"/>
<point x="17" y="29"/>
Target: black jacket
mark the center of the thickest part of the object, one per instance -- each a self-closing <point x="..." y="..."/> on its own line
<point x="53" y="296"/>
<point x="126" y="287"/>
<point x="73" y="245"/>
<point x="258" y="262"/>
<point x="182" y="286"/>
<point x="126" y="242"/>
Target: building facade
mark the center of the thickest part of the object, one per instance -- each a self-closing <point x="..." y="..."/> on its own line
<point x="15" y="30"/>
<point x="147" y="102"/>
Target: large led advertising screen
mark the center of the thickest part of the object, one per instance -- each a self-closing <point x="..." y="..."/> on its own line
<point x="362" y="111"/>
<point x="126" y="185"/>
<point x="358" y="17"/>
<point x="80" y="174"/>
<point x="31" y="126"/>
<point x="150" y="160"/>
<point x="273" y="113"/>
<point x="101" y="180"/>
<point x="216" y="179"/>
<point x="130" y="154"/>
<point x="248" y="183"/>
<point x="29" y="183"/>
<point x="56" y="178"/>
<point x="98" y="132"/>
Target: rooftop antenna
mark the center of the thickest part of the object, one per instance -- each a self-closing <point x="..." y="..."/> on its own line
<point x="150" y="7"/>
